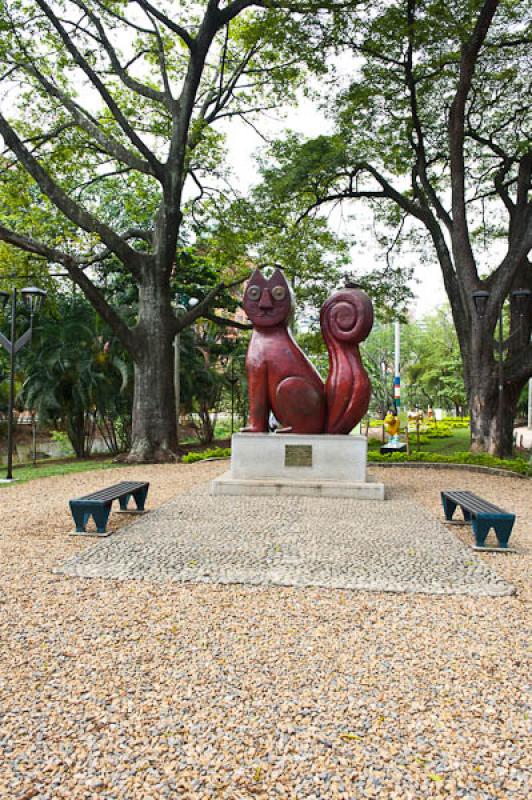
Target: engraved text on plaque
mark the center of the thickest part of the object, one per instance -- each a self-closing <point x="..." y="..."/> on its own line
<point x="298" y="455"/>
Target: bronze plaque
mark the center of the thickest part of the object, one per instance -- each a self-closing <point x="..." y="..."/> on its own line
<point x="298" y="455"/>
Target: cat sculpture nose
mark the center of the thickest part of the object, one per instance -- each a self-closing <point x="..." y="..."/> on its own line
<point x="265" y="300"/>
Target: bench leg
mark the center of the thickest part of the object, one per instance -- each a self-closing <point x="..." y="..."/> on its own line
<point x="124" y="501"/>
<point x="502" y="531"/>
<point x="481" y="529"/>
<point x="81" y="517"/>
<point x="100" y="516"/>
<point x="140" y="497"/>
<point x="448" y="507"/>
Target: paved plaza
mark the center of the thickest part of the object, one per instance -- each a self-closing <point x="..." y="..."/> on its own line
<point x="394" y="546"/>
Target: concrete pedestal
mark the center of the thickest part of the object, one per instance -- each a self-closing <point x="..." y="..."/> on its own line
<point x="287" y="464"/>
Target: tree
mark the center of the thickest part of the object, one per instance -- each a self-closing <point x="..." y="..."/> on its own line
<point x="432" y="132"/>
<point x="430" y="361"/>
<point x="124" y="95"/>
<point x="75" y="377"/>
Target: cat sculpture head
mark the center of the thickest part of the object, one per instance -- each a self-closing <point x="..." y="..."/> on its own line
<point x="268" y="301"/>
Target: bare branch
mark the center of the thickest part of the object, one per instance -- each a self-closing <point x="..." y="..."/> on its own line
<point x="226" y="322"/>
<point x="468" y="61"/>
<point x="125" y="77"/>
<point x="168" y="23"/>
<point x="96" y="81"/>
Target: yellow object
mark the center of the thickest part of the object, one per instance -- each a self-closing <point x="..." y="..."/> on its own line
<point x="392" y="424"/>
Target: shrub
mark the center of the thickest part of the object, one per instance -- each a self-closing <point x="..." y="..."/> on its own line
<point x="518" y="465"/>
<point x="214" y="452"/>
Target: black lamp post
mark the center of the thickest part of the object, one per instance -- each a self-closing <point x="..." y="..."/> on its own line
<point x="33" y="298"/>
<point x="480" y="300"/>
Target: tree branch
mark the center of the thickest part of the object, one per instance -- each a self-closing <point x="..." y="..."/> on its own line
<point x="75" y="212"/>
<point x="463" y="251"/>
<point x="419" y="144"/>
<point x="95" y="296"/>
<point x="96" y="81"/>
<point x="225" y="322"/>
<point x="125" y="77"/>
<point x="201" y="308"/>
<point x="90" y="125"/>
<point x="167" y="22"/>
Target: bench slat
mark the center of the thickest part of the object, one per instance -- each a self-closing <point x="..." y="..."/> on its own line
<point x="112" y="492"/>
<point x="473" y="503"/>
<point x="98" y="504"/>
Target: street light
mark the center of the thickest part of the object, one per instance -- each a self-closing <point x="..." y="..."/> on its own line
<point x="521" y="297"/>
<point x="33" y="298"/>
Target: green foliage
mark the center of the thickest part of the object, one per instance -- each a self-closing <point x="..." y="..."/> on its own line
<point x="432" y="362"/>
<point x="215" y="452"/>
<point x="518" y="465"/>
<point x="211" y="358"/>
<point x="280" y="207"/>
<point x="431" y="366"/>
<point x="61" y="438"/>
<point x="75" y="377"/>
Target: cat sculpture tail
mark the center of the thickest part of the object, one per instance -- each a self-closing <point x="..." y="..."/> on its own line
<point x="346" y="319"/>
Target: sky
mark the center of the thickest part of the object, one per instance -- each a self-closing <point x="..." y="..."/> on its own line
<point x="307" y="119"/>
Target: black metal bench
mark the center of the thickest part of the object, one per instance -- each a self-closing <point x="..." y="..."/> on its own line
<point x="480" y="514"/>
<point x="98" y="504"/>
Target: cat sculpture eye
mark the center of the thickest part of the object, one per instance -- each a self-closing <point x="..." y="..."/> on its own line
<point x="253" y="292"/>
<point x="279" y="292"/>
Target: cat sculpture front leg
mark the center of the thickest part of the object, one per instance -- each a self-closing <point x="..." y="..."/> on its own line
<point x="259" y="406"/>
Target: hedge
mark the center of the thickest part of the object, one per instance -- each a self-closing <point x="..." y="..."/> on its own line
<point x="202" y="455"/>
<point x="518" y="465"/>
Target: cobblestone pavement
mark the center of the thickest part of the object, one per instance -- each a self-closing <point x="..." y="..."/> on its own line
<point x="292" y="541"/>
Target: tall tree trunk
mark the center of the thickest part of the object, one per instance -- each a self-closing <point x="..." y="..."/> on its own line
<point x="154" y="434"/>
<point x="487" y="432"/>
<point x="491" y="429"/>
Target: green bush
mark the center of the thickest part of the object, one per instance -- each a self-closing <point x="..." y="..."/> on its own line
<point x="441" y="432"/>
<point x="518" y="465"/>
<point x="61" y="438"/>
<point x="215" y="452"/>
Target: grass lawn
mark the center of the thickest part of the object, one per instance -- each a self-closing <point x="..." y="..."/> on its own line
<point x="458" y="442"/>
<point x="48" y="469"/>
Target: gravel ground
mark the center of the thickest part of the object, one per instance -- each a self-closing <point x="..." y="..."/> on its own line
<point x="143" y="690"/>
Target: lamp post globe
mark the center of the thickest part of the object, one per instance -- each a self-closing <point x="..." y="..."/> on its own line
<point x="33" y="297"/>
<point x="480" y="300"/>
<point x="522" y="300"/>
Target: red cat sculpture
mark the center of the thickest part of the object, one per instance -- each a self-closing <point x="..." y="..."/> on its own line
<point x="281" y="378"/>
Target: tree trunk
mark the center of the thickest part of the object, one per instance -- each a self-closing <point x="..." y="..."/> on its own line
<point x="154" y="433"/>
<point x="490" y="431"/>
